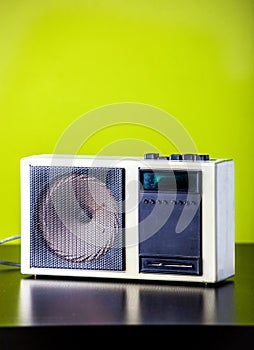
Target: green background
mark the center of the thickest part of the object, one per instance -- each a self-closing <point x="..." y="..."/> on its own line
<point x="60" y="59"/>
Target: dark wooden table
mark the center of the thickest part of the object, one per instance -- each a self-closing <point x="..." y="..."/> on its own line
<point x="42" y="309"/>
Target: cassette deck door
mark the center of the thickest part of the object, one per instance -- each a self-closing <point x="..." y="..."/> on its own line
<point x="170" y="222"/>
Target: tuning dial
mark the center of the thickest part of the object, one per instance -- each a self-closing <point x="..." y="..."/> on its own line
<point x="151" y="156"/>
<point x="188" y="156"/>
<point x="175" y="157"/>
<point x="204" y="157"/>
<point x="194" y="157"/>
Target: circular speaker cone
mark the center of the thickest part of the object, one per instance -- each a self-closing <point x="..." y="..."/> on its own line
<point x="79" y="217"/>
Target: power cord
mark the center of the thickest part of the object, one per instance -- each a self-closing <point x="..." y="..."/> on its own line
<point x="8" y="239"/>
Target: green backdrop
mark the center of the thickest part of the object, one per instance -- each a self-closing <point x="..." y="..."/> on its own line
<point x="60" y="59"/>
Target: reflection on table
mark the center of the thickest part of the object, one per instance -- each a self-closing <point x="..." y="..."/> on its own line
<point x="79" y="302"/>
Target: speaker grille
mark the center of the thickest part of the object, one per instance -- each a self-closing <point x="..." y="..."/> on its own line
<point x="76" y="218"/>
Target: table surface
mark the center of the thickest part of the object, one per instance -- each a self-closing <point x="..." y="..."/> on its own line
<point x="46" y="312"/>
<point x="48" y="301"/>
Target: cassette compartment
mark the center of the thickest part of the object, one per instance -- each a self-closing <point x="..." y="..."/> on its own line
<point x="170" y="222"/>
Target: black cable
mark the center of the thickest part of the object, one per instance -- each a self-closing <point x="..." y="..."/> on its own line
<point x="10" y="263"/>
<point x="8" y="239"/>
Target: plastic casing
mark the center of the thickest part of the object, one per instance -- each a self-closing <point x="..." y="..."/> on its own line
<point x="218" y="222"/>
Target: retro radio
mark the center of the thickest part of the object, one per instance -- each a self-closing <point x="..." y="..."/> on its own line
<point x="163" y="218"/>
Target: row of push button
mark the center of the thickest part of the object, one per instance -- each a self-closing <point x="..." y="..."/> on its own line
<point x="164" y="201"/>
<point x="189" y="156"/>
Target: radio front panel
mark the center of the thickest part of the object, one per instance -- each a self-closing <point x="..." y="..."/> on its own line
<point x="152" y="218"/>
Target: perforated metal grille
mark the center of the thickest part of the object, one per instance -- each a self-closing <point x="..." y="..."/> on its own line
<point x="77" y="219"/>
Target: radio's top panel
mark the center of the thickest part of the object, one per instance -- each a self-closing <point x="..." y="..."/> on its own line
<point x="177" y="159"/>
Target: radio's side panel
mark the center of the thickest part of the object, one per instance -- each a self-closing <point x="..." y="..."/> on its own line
<point x="25" y="213"/>
<point x="225" y="220"/>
